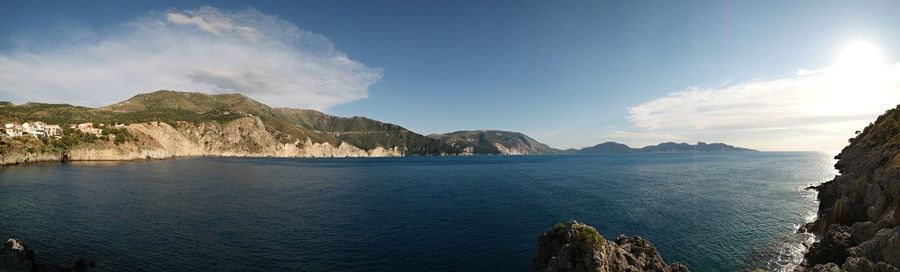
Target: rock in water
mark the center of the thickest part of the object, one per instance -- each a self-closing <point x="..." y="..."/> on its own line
<point x="574" y="246"/>
<point x="16" y="257"/>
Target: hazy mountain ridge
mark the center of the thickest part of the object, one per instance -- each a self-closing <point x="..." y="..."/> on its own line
<point x="493" y="142"/>
<point x="613" y="147"/>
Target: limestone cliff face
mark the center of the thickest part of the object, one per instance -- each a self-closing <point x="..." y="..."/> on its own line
<point x="242" y="137"/>
<point x="578" y="247"/>
<point x="513" y="150"/>
<point x="318" y="150"/>
<point x="859" y="210"/>
<point x="24" y="157"/>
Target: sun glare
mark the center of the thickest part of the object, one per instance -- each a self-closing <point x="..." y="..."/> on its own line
<point x="860" y="55"/>
<point x="859" y="81"/>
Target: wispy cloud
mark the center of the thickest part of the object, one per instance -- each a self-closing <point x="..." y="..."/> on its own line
<point x="809" y="110"/>
<point x="207" y="49"/>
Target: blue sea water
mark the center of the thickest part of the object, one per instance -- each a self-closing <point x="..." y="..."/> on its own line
<point x="711" y="211"/>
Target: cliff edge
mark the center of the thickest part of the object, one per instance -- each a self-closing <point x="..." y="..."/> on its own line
<point x="859" y="210"/>
<point x="574" y="246"/>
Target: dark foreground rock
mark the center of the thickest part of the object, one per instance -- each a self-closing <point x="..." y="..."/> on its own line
<point x="575" y="246"/>
<point x="16" y="257"/>
<point x="859" y="210"/>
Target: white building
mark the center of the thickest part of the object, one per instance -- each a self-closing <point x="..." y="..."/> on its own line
<point x="13" y="129"/>
<point x="33" y="128"/>
<point x="53" y="130"/>
<point x="87" y="128"/>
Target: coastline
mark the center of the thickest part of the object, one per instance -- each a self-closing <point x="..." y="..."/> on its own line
<point x="858" y="217"/>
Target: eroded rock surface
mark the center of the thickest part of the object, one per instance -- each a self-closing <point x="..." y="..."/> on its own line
<point x="859" y="210"/>
<point x="574" y="246"/>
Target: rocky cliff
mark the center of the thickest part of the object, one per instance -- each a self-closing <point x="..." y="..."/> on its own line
<point x="574" y="246"/>
<point x="169" y="124"/>
<point x="493" y="142"/>
<point x="859" y="210"/>
<point x="242" y="137"/>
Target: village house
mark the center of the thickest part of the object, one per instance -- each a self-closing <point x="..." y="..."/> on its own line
<point x="87" y="128"/>
<point x="13" y="129"/>
<point x="53" y="130"/>
<point x="33" y="128"/>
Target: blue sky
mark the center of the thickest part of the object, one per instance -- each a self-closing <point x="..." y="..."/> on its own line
<point x="570" y="74"/>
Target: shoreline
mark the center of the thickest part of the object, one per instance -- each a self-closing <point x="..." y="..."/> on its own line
<point x="60" y="158"/>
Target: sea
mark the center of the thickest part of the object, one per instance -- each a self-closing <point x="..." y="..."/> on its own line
<point x="727" y="211"/>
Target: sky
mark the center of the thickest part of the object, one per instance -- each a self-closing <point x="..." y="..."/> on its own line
<point x="770" y="75"/>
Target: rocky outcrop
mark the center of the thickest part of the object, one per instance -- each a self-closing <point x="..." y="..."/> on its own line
<point x="859" y="210"/>
<point x="574" y="246"/>
<point x="25" y="157"/>
<point x="16" y="257"/>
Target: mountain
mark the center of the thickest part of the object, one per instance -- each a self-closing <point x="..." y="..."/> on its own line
<point x="493" y="142"/>
<point x="290" y="125"/>
<point x="858" y="219"/>
<point x="165" y="124"/>
<point x="613" y="147"/>
<point x="699" y="147"/>
<point x="607" y="147"/>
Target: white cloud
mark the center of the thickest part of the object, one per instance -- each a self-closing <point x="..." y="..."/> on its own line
<point x="208" y="50"/>
<point x="641" y="138"/>
<point x="810" y="110"/>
